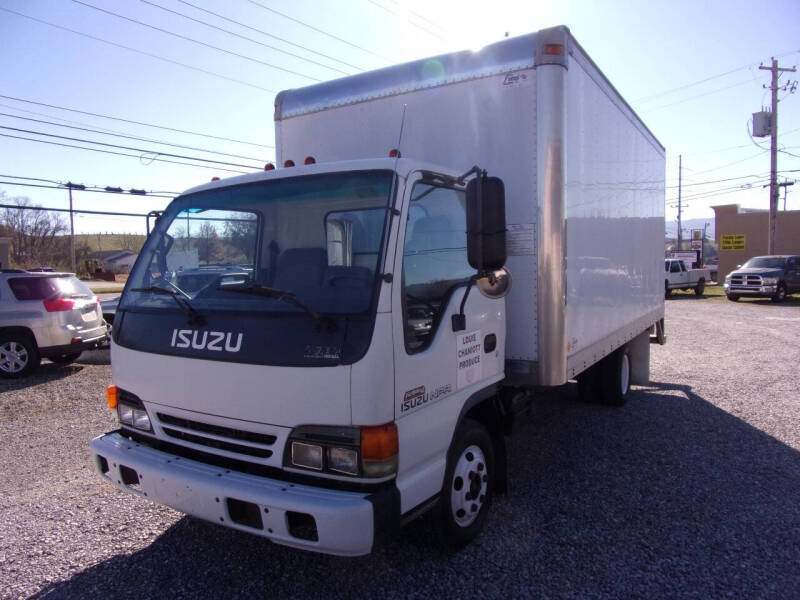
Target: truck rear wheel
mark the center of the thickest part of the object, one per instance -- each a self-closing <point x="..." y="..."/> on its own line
<point x="667" y="291"/>
<point x="700" y="287"/>
<point x="468" y="482"/>
<point x="615" y="378"/>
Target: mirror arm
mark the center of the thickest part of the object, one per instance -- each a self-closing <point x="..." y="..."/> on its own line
<point x="459" y="320"/>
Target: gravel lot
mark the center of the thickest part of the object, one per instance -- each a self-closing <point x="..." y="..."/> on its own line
<point x="692" y="490"/>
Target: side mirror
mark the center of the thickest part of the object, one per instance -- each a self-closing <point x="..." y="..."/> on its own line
<point x="486" y="223"/>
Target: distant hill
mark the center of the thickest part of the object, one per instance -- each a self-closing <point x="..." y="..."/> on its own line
<point x="671" y="228"/>
<point x="97" y="242"/>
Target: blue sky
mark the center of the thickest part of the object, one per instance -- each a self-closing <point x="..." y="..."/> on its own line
<point x="689" y="68"/>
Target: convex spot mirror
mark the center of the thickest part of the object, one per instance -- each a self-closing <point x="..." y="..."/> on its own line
<point x="495" y="284"/>
<point x="486" y="224"/>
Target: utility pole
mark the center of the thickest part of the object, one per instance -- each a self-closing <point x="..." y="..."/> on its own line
<point x="773" y="182"/>
<point x="680" y="227"/>
<point x="70" y="187"/>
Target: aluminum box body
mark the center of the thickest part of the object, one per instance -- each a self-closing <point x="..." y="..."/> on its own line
<point x="584" y="180"/>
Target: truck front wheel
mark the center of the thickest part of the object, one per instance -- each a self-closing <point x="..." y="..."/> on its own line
<point x="468" y="483"/>
<point x="780" y="295"/>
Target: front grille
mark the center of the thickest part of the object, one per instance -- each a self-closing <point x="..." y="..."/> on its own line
<point x="216" y="436"/>
<point x="746" y="280"/>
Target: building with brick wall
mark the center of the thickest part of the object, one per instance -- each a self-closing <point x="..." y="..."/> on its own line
<point x="742" y="233"/>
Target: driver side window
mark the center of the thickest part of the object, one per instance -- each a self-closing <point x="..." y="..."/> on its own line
<point x="434" y="259"/>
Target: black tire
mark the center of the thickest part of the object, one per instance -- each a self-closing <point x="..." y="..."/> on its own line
<point x="19" y="356"/>
<point x="464" y="505"/>
<point x="66" y="359"/>
<point x="780" y="295"/>
<point x="700" y="287"/>
<point x="667" y="291"/>
<point x="733" y="297"/>
<point x="615" y="378"/>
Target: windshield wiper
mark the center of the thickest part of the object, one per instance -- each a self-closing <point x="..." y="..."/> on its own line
<point x="180" y="297"/>
<point x="256" y="289"/>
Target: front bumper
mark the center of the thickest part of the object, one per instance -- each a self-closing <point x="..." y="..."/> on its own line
<point x="345" y="521"/>
<point x="764" y="291"/>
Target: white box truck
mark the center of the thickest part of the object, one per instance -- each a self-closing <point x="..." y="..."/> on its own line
<point x="349" y="351"/>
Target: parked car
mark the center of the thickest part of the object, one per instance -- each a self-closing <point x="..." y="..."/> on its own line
<point x="678" y="277"/>
<point x="45" y="315"/>
<point x="765" y="277"/>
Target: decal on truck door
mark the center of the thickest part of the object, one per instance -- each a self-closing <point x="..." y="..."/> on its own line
<point x="469" y="351"/>
<point x="417" y="397"/>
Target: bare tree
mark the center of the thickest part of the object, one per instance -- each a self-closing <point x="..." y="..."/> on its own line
<point x="207" y="242"/>
<point x="37" y="236"/>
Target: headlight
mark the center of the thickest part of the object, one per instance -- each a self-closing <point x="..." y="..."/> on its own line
<point x="369" y="451"/>
<point x="131" y="411"/>
<point x="769" y="280"/>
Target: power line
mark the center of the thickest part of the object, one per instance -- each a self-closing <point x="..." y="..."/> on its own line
<point x="92" y="114"/>
<point x="142" y="150"/>
<point x="736" y="162"/>
<point x="330" y="35"/>
<point x="265" y="33"/>
<point x="91" y="188"/>
<point x="707" y="79"/>
<point x="86" y="212"/>
<point x="132" y="137"/>
<point x="154" y="159"/>
<point x="420" y="17"/>
<point x="137" y="51"/>
<point x="194" y="41"/>
<point x="647" y="110"/>
<point x="406" y="19"/>
<point x="244" y="37"/>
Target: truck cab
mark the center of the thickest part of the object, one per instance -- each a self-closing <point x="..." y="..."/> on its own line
<point x="311" y="357"/>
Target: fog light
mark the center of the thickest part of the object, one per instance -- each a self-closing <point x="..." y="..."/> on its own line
<point x="344" y="460"/>
<point x="125" y="414"/>
<point x="308" y="456"/>
<point x="141" y="420"/>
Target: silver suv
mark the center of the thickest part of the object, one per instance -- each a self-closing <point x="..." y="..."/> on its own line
<point x="45" y="315"/>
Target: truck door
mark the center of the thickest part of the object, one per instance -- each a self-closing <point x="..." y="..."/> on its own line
<point x="437" y="369"/>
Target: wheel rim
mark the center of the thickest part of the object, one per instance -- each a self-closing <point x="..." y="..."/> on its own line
<point x="469" y="486"/>
<point x="625" y="374"/>
<point x="13" y="357"/>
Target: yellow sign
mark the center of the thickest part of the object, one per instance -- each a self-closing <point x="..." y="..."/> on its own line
<point x="732" y="241"/>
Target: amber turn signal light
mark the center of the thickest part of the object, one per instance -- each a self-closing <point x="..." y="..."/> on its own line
<point x="112" y="394"/>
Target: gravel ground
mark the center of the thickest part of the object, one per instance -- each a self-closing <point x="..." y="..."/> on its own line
<point x="692" y="490"/>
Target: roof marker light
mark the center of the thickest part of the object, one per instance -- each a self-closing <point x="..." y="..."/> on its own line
<point x="215" y="179"/>
<point x="269" y="167"/>
<point x="394" y="153"/>
<point x="310" y="160"/>
<point x="288" y="163"/>
<point x="554" y="49"/>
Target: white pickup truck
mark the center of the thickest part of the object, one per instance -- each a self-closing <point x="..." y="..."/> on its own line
<point x="678" y="277"/>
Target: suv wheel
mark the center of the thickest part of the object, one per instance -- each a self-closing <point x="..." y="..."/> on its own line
<point x="733" y="297"/>
<point x="780" y="295"/>
<point x="18" y="355"/>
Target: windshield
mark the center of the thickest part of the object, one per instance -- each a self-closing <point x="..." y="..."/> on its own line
<point x="317" y="239"/>
<point x="765" y="262"/>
